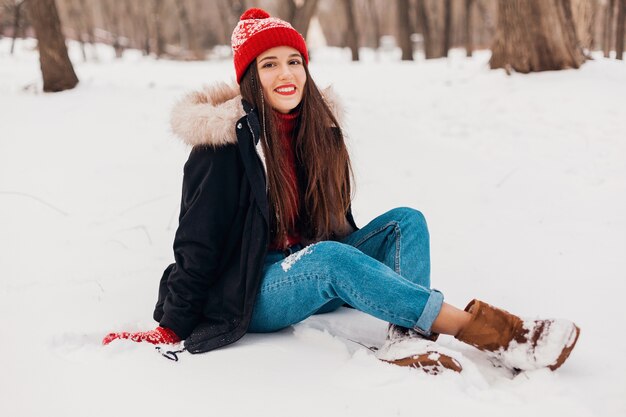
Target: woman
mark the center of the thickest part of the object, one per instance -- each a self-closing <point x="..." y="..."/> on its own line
<point x="266" y="236"/>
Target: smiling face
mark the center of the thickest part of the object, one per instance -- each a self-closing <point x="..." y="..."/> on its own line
<point x="282" y="76"/>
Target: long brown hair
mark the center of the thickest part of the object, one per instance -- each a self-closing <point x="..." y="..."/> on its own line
<point x="322" y="163"/>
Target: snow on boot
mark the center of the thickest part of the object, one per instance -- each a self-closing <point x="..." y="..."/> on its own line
<point x="406" y="347"/>
<point x="518" y="344"/>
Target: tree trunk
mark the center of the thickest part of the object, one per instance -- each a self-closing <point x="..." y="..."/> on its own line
<point x="619" y="38"/>
<point x="159" y="42"/>
<point x="188" y="35"/>
<point x="469" y="46"/>
<point x="594" y="44"/>
<point x="226" y="13"/>
<point x="17" y="8"/>
<point x="608" y="28"/>
<point x="424" y="22"/>
<point x="143" y="19"/>
<point x="76" y="17"/>
<point x="487" y="27"/>
<point x="375" y="23"/>
<point x="111" y="17"/>
<point x="88" y="30"/>
<point x="404" y="30"/>
<point x="129" y="25"/>
<point x="352" y="36"/>
<point x="301" y="16"/>
<point x="431" y="14"/>
<point x="240" y="6"/>
<point x="583" y="11"/>
<point x="89" y="24"/>
<point x="447" y="27"/>
<point x="56" y="67"/>
<point x="535" y="35"/>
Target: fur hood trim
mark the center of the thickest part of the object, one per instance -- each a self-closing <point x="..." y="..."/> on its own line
<point x="208" y="116"/>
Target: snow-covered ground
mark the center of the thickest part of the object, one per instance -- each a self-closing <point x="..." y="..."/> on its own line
<point x="522" y="180"/>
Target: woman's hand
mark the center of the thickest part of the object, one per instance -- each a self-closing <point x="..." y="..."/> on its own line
<point x="158" y="336"/>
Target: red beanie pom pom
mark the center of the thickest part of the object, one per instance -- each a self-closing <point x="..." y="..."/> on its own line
<point x="254" y="13"/>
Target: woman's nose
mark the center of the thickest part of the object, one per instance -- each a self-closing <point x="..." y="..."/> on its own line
<point x="285" y="72"/>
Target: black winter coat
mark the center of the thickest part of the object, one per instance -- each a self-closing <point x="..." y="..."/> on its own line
<point x="206" y="297"/>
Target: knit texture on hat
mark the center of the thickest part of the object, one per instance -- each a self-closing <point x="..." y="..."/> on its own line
<point x="257" y="32"/>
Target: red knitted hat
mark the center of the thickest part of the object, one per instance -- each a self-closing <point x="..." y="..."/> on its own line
<point x="257" y="32"/>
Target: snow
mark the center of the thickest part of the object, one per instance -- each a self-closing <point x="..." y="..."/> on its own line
<point x="522" y="179"/>
<point x="290" y="261"/>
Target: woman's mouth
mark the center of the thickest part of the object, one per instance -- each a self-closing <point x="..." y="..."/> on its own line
<point x="286" y="90"/>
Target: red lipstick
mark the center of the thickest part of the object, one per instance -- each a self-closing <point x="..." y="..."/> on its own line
<point x="286" y="93"/>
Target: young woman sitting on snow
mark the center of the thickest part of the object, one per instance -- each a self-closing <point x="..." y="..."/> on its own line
<point x="266" y="236"/>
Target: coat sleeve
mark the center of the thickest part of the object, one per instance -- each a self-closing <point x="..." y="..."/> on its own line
<point x="208" y="207"/>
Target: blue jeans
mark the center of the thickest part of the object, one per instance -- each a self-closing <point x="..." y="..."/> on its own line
<point x="382" y="269"/>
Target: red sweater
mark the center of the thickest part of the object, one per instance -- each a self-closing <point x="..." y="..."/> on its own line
<point x="286" y="126"/>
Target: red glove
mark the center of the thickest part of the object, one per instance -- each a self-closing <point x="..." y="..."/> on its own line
<point x="158" y="336"/>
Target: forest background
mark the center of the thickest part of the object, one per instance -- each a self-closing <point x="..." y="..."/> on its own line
<point x="524" y="35"/>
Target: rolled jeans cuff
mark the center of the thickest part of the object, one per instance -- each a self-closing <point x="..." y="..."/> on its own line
<point x="430" y="313"/>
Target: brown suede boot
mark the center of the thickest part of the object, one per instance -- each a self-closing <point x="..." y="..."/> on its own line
<point x="518" y="344"/>
<point x="406" y="347"/>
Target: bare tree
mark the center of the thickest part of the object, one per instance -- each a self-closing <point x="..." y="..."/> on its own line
<point x="423" y="21"/>
<point x="447" y="27"/>
<point x="75" y="14"/>
<point x="535" y="35"/>
<point x="300" y="16"/>
<point x="404" y="30"/>
<point x="469" y="45"/>
<point x="89" y="21"/>
<point x="621" y="23"/>
<point x="229" y="15"/>
<point x="17" y="18"/>
<point x="187" y="34"/>
<point x="352" y="35"/>
<point x="608" y="28"/>
<point x="159" y="41"/>
<point x="56" y="67"/>
<point x="142" y="18"/>
<point x="584" y="12"/>
<point x="375" y="26"/>
<point x="431" y="18"/>
<point x="485" y="32"/>
<point x="111" y="16"/>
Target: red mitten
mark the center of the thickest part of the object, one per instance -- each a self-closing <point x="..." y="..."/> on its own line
<point x="158" y="336"/>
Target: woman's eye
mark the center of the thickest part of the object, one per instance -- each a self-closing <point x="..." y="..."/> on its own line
<point x="295" y="62"/>
<point x="268" y="65"/>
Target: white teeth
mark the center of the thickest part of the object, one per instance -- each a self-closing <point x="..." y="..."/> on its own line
<point x="285" y="89"/>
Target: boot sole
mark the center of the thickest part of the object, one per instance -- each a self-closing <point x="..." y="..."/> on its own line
<point x="427" y="362"/>
<point x="566" y="352"/>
